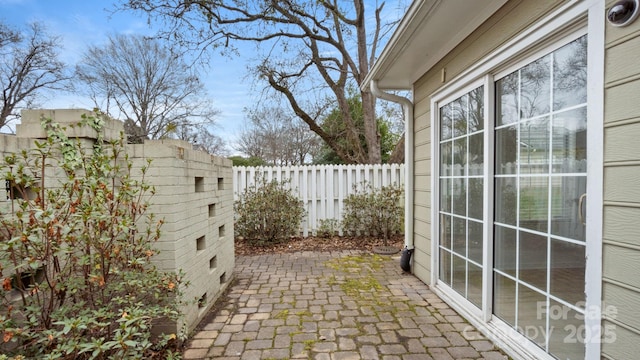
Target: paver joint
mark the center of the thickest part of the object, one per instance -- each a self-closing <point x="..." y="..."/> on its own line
<point x="346" y="305"/>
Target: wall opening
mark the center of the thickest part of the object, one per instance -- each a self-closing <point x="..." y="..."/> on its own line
<point x="213" y="263"/>
<point x="201" y="244"/>
<point x="220" y="183"/>
<point x="223" y="278"/>
<point x="212" y="210"/>
<point x="221" y="231"/>
<point x="199" y="181"/>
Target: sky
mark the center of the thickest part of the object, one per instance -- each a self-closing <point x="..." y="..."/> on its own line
<point x="84" y="23"/>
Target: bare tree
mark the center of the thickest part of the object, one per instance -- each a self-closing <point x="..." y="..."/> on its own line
<point x="146" y="83"/>
<point x="29" y="66"/>
<point x="278" y="138"/>
<point x="311" y="47"/>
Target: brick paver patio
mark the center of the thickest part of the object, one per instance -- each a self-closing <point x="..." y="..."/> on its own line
<point x="346" y="305"/>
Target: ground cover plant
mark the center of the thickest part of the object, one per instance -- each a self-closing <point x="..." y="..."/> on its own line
<point x="75" y="255"/>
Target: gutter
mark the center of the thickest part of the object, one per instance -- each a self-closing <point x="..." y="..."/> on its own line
<point x="407" y="106"/>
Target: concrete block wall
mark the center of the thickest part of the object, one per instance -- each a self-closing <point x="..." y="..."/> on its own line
<point x="194" y="196"/>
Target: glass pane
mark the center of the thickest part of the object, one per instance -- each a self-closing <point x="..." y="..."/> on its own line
<point x="506" y="150"/>
<point x="475" y="241"/>
<point x="459" y="275"/>
<point x="505" y="200"/>
<point x="570" y="141"/>
<point x="445" y="122"/>
<point x="565" y="199"/>
<point x="505" y="250"/>
<point x="476" y="110"/>
<point x="445" y="195"/>
<point x="534" y="200"/>
<point x="474" y="287"/>
<point x="570" y="74"/>
<point x="531" y="323"/>
<point x="475" y="198"/>
<point x="533" y="260"/>
<point x="445" y="159"/>
<point x="567" y="271"/>
<point x="534" y="147"/>
<point x="460" y="157"/>
<point x="445" y="266"/>
<point x="460" y="236"/>
<point x="459" y="115"/>
<point x="504" y="298"/>
<point x="569" y="333"/>
<point x="445" y="231"/>
<point x="507" y="100"/>
<point x="460" y="196"/>
<point x="535" y="89"/>
<point x="476" y="151"/>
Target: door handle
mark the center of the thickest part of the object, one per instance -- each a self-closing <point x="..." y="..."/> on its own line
<point x="580" y="206"/>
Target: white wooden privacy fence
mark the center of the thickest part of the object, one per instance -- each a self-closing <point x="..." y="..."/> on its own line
<point x="322" y="188"/>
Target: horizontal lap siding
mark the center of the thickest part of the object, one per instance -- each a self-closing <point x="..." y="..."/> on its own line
<point x="621" y="234"/>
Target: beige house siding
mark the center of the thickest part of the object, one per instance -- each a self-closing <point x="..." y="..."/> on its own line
<point x="621" y="234"/>
<point x="506" y="23"/>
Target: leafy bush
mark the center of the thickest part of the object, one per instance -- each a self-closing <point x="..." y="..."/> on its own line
<point x="328" y="228"/>
<point x="268" y="212"/>
<point x="370" y="211"/>
<point x="75" y="255"/>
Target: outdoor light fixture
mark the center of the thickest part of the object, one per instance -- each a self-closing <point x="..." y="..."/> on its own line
<point x="623" y="12"/>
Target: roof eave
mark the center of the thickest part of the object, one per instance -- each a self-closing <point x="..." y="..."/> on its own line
<point x="429" y="30"/>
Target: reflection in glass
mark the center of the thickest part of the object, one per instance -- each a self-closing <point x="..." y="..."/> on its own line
<point x="506" y="150"/>
<point x="475" y="241"/>
<point x="445" y="231"/>
<point x="460" y="196"/>
<point x="505" y="250"/>
<point x="570" y="75"/>
<point x="534" y="200"/>
<point x="460" y="157"/>
<point x="507" y="100"/>
<point x="460" y="236"/>
<point x="504" y="298"/>
<point x="445" y="194"/>
<point x="474" y="286"/>
<point x="476" y="157"/>
<point x="475" y="198"/>
<point x="565" y="201"/>
<point x="459" y="274"/>
<point x="445" y="122"/>
<point x="505" y="200"/>
<point x="459" y="114"/>
<point x="531" y="322"/>
<point x="445" y="266"/>
<point x="534" y="146"/>
<point x="535" y="89"/>
<point x="532" y="267"/>
<point x="445" y="159"/>
<point x="568" y="330"/>
<point x="567" y="271"/>
<point x="570" y="141"/>
<point x="476" y="110"/>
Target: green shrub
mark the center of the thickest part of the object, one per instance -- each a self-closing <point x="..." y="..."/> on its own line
<point x="268" y="212"/>
<point x="75" y="256"/>
<point x="370" y="211"/>
<point x="328" y="228"/>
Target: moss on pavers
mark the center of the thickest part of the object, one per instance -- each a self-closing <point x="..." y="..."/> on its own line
<point x="334" y="306"/>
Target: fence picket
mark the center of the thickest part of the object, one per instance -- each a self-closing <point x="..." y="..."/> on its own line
<point x="322" y="188"/>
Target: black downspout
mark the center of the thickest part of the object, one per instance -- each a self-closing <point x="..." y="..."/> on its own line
<point x="405" y="259"/>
